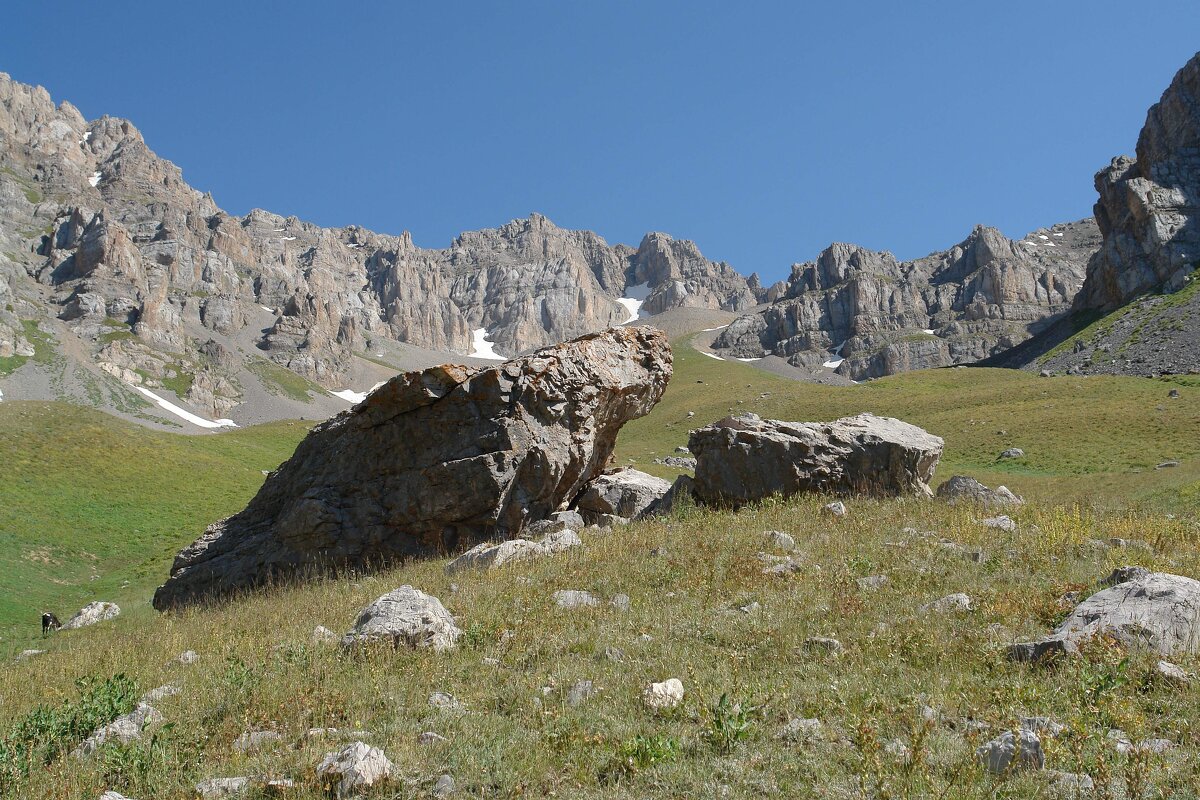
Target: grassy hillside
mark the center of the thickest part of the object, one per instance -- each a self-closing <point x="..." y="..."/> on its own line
<point x="92" y="507"/>
<point x="924" y="682"/>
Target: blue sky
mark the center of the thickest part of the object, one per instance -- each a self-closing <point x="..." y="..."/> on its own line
<point x="763" y="131"/>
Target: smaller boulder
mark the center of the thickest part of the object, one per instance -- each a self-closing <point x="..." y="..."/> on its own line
<point x="220" y="788"/>
<point x="125" y="729"/>
<point x="354" y="767"/>
<point x="1000" y="523"/>
<point x="94" y="612"/>
<point x="571" y="598"/>
<point x="836" y="509"/>
<point x="1012" y="452"/>
<point x="1123" y="574"/>
<point x="627" y="493"/>
<point x="962" y="488"/>
<point x="405" y="616"/>
<point x="1170" y="673"/>
<point x="1009" y="752"/>
<point x="322" y="635"/>
<point x="252" y="741"/>
<point x="663" y="696"/>
<point x="951" y="603"/>
<point x="780" y="541"/>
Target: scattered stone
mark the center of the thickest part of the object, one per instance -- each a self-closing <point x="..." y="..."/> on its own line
<point x="26" y="654"/>
<point x="490" y="555"/>
<point x="779" y="565"/>
<point x="1124" y="574"/>
<point x="434" y="460"/>
<point x="620" y="602"/>
<point x="778" y="540"/>
<point x="974" y="554"/>
<point x="751" y="608"/>
<point x="1007" y="752"/>
<point x="1012" y="452"/>
<point x="444" y="701"/>
<point x="110" y="795"/>
<point x="356" y="766"/>
<point x="948" y="604"/>
<point x="322" y="635"/>
<point x="161" y="693"/>
<point x="1045" y="373"/>
<point x="872" y="582"/>
<point x="1157" y="746"/>
<point x="1070" y="784"/>
<point x="898" y="750"/>
<point x="1130" y="544"/>
<point x="663" y="696"/>
<point x="679" y="462"/>
<point x="429" y="737"/>
<point x="823" y="645"/>
<point x="125" y="729"/>
<point x="1167" y="464"/>
<point x="1043" y="726"/>
<point x="1173" y="394"/>
<point x="571" y="598"/>
<point x="1001" y="523"/>
<point x="1120" y="741"/>
<point x="625" y="493"/>
<point x="219" y="788"/>
<point x="962" y="488"/>
<point x="1171" y="673"/>
<point x="444" y="786"/>
<point x="580" y="692"/>
<point x="837" y="509"/>
<point x="569" y="520"/>
<point x="1159" y="612"/>
<point x="94" y="612"/>
<point x="800" y="730"/>
<point x="252" y="741"/>
<point x="188" y="657"/>
<point x="745" y="458"/>
<point x="405" y="616"/>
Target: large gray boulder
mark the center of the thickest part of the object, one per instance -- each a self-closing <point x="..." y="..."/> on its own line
<point x="405" y="616"/>
<point x="1159" y="612"/>
<point x="745" y="458"/>
<point x="625" y="493"/>
<point x="434" y="461"/>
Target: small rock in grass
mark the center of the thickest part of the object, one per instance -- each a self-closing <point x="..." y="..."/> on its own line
<point x="1001" y="523"/>
<point x="1070" y="784"/>
<point x="1171" y="673"/>
<point x="950" y="603"/>
<point x="1007" y="751"/>
<point x="1158" y="746"/>
<point x="580" y="692"/>
<point x="110" y="795"/>
<point x="1043" y="726"/>
<point x="218" y="788"/>
<point x="778" y="540"/>
<point x="251" y="741"/>
<point x="799" y="730"/>
<point x="444" y="786"/>
<point x="620" y="602"/>
<point x="1120" y="740"/>
<point x="1012" y="452"/>
<point x="823" y="645"/>
<point x="1130" y="544"/>
<point x="1167" y="464"/>
<point x="96" y="611"/>
<point x="837" y="508"/>
<point x="898" y="750"/>
<point x="161" y="693"/>
<point x="443" y="701"/>
<point x="405" y="616"/>
<point x="322" y="635"/>
<point x="188" y="657"/>
<point x="356" y="766"/>
<point x="571" y="598"/>
<point x="872" y="582"/>
<point x="429" y="737"/>
<point x="752" y="607"/>
<point x="663" y="696"/>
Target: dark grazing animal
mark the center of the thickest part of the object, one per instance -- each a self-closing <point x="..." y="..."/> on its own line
<point x="50" y="623"/>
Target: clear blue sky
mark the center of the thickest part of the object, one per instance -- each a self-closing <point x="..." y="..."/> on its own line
<point x="763" y="131"/>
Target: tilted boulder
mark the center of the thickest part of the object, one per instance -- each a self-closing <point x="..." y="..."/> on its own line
<point x="1159" y="612"/>
<point x="625" y="493"/>
<point x="433" y="461"/>
<point x="97" y="611"/>
<point x="745" y="458"/>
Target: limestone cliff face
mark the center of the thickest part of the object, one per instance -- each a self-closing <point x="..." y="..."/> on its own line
<point x="865" y="314"/>
<point x="120" y="242"/>
<point x="1149" y="207"/>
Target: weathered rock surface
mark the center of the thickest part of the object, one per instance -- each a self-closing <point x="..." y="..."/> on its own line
<point x="432" y="461"/>
<point x="664" y="695"/>
<point x="405" y="616"/>
<point x="625" y="493"/>
<point x="1009" y="752"/>
<point x="125" y="729"/>
<point x="864" y="314"/>
<point x="963" y="488"/>
<point x="97" y="611"/>
<point x="354" y="767"/>
<point x="745" y="458"/>
<point x="490" y="555"/>
<point x="1159" y="612"/>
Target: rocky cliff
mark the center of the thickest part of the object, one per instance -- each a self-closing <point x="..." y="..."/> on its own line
<point x="865" y="314"/>
<point x="160" y="287"/>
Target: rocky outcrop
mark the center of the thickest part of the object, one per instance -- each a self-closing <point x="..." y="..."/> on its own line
<point x="745" y="458"/>
<point x="1149" y="206"/>
<point x="434" y="461"/>
<point x="864" y="314"/>
<point x="1158" y="612"/>
<point x="122" y="245"/>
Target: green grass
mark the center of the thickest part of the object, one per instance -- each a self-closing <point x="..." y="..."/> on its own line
<point x="86" y="494"/>
<point x="1088" y="439"/>
<point x="282" y="381"/>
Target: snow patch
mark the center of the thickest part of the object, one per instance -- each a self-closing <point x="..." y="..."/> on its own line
<point x="267" y="309"/>
<point x="712" y="355"/>
<point x="350" y="396"/>
<point x="1050" y="244"/>
<point x="1043" y="237"/>
<point x="709" y="330"/>
<point x="1031" y="244"/>
<point x="833" y="364"/>
<point x="287" y="238"/>
<point x="927" y="330"/>
<point x="352" y="246"/>
<point x="184" y="414"/>
<point x="760" y="358"/>
<point x="1058" y="235"/>
<point x="95" y="179"/>
<point x="87" y="136"/>
<point x="482" y="348"/>
<point x="635" y="297"/>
